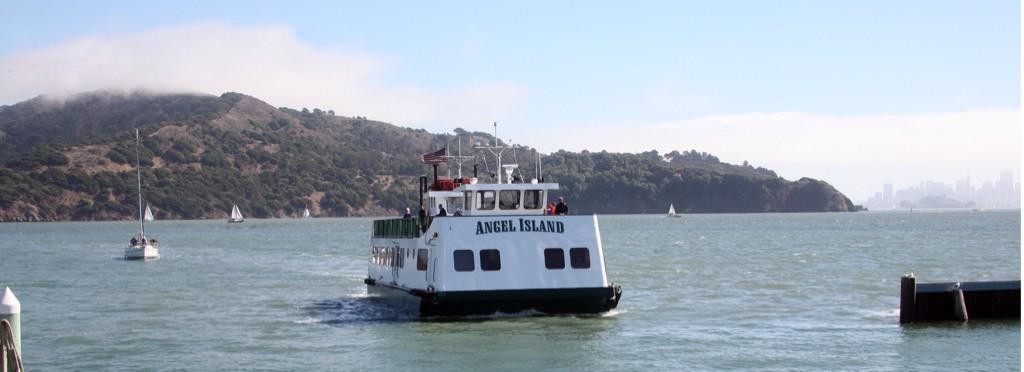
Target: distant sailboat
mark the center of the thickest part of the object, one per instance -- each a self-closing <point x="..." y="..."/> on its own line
<point x="140" y="247"/>
<point x="305" y="213"/>
<point x="672" y="211"/>
<point x="236" y="215"/>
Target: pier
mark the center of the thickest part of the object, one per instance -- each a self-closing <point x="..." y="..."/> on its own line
<point x="958" y="301"/>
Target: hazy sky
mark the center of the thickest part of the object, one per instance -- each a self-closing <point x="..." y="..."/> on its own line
<point x="856" y="93"/>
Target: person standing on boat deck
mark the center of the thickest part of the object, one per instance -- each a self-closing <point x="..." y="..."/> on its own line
<point x="561" y="208"/>
<point x="550" y="209"/>
<point x="423" y="218"/>
<point x="408" y="214"/>
<point x="441" y="212"/>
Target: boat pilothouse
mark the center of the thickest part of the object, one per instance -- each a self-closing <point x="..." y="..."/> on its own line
<point x="489" y="247"/>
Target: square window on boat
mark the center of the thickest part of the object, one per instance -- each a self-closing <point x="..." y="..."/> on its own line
<point x="554" y="258"/>
<point x="532" y="199"/>
<point x="463" y="259"/>
<point x="421" y="259"/>
<point x="579" y="258"/>
<point x="508" y="199"/>
<point x="485" y="201"/>
<point x="490" y="260"/>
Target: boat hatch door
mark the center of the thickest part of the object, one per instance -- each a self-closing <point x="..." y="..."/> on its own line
<point x="432" y="271"/>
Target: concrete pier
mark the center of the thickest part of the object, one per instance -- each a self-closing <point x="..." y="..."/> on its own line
<point x="958" y="301"/>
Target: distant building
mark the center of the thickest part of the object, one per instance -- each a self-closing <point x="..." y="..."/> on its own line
<point x="1003" y="193"/>
<point x="964" y="190"/>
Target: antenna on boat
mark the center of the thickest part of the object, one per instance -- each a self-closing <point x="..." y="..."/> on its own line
<point x="496" y="151"/>
<point x="457" y="159"/>
<point x="540" y="169"/>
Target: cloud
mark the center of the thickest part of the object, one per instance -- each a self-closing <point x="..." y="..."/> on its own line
<point x="268" y="62"/>
<point x="855" y="153"/>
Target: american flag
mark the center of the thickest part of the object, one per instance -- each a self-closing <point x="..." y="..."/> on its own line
<point x="436" y="157"/>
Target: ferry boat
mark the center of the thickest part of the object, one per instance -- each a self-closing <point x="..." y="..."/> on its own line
<point x="498" y="252"/>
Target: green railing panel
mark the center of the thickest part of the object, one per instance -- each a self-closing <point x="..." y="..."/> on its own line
<point x="396" y="228"/>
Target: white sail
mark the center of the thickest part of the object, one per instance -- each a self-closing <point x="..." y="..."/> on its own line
<point x="235" y="213"/>
<point x="305" y="213"/>
<point x="149" y="214"/>
<point x="671" y="210"/>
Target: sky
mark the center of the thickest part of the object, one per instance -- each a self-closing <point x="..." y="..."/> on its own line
<point x="856" y="93"/>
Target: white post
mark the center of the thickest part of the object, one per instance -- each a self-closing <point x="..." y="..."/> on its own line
<point x="10" y="310"/>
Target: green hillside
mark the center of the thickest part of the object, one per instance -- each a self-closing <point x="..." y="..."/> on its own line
<point x="72" y="159"/>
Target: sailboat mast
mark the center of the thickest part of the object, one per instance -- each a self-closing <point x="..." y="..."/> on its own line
<point x="138" y="173"/>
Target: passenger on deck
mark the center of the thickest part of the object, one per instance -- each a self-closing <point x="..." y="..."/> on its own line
<point x="408" y="214"/>
<point x="550" y="210"/>
<point x="134" y="241"/>
<point x="561" y="208"/>
<point x="423" y="218"/>
<point x="458" y="212"/>
<point x="441" y="212"/>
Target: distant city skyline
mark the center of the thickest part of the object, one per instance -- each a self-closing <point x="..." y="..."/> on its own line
<point x="852" y="93"/>
<point x="1003" y="192"/>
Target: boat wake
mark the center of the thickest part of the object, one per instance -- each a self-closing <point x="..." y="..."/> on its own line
<point x="353" y="309"/>
<point x="365" y="309"/>
<point x="886" y="315"/>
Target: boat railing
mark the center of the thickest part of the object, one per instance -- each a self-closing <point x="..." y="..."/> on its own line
<point x="397" y="228"/>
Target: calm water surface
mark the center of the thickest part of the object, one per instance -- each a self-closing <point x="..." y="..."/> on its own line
<point x="764" y="291"/>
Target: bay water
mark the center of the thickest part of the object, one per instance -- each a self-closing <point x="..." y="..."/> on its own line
<point x="701" y="292"/>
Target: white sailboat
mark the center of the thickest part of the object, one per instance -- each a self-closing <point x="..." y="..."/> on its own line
<point x="140" y="247"/>
<point x="236" y="215"/>
<point x="672" y="211"/>
<point x="149" y="214"/>
<point x="305" y="213"/>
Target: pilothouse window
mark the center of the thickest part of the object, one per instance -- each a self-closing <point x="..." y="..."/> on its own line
<point x="485" y="200"/>
<point x="532" y="199"/>
<point x="509" y="199"/>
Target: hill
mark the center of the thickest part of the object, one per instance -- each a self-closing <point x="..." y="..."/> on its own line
<point x="72" y="159"/>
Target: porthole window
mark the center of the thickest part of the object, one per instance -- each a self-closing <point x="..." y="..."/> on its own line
<point x="579" y="258"/>
<point x="508" y="199"/>
<point x="421" y="260"/>
<point x="490" y="260"/>
<point x="554" y="258"/>
<point x="463" y="259"/>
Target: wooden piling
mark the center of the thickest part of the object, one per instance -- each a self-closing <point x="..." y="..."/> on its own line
<point x="959" y="305"/>
<point x="908" y="298"/>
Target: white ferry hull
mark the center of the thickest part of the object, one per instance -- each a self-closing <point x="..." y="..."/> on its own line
<point x="416" y="272"/>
